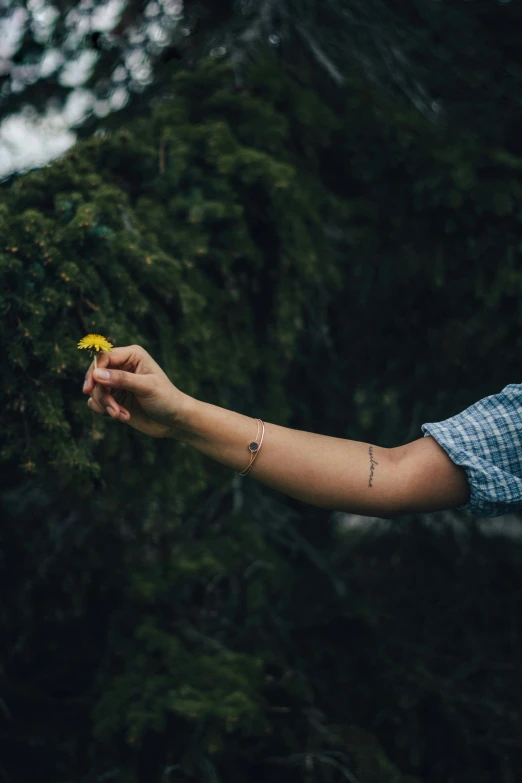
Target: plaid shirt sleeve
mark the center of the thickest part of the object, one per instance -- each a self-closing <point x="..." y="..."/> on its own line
<point x="486" y="439"/>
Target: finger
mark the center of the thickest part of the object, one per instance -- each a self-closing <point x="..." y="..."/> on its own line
<point x="88" y="384"/>
<point x="119" y="379"/>
<point x="103" y="398"/>
<point x="102" y="395"/>
<point x="128" y="354"/>
<point x="103" y="410"/>
<point x="108" y="402"/>
<point x="96" y="407"/>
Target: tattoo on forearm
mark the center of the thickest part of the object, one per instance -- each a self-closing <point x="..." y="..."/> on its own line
<point x="373" y="463"/>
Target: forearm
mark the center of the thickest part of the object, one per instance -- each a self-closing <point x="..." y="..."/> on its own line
<point x="331" y="473"/>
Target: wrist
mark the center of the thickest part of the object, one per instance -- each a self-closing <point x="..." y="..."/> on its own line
<point x="180" y="421"/>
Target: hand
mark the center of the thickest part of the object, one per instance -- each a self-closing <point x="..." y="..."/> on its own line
<point x="137" y="392"/>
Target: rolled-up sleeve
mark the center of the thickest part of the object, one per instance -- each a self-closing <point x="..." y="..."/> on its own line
<point x="486" y="440"/>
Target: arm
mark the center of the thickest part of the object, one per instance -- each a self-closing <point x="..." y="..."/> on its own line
<point x="334" y="473"/>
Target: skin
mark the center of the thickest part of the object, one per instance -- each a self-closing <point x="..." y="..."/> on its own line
<point x="331" y="473"/>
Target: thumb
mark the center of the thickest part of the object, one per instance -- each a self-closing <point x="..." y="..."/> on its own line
<point x="119" y="379"/>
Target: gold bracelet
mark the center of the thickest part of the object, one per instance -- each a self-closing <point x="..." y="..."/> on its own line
<point x="254" y="448"/>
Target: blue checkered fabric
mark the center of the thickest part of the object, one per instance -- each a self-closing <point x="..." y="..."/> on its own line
<point x="486" y="439"/>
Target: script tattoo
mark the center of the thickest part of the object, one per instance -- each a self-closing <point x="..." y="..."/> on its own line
<point x="373" y="463"/>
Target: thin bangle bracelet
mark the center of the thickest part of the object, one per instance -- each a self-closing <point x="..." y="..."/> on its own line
<point x="254" y="448"/>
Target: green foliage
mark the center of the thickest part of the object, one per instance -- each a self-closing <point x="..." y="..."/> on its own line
<point x="197" y="233"/>
<point x="428" y="318"/>
<point x="150" y="236"/>
<point x="355" y="275"/>
<point x="457" y="62"/>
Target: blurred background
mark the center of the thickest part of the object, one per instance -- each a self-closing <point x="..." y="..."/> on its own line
<point x="307" y="212"/>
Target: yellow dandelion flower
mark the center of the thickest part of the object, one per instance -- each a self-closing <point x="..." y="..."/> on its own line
<point x="95" y="343"/>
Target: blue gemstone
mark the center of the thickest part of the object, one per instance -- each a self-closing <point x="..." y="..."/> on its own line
<point x="253" y="446"/>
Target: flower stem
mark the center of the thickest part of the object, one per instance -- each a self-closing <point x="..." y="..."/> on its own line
<point x="95" y="363"/>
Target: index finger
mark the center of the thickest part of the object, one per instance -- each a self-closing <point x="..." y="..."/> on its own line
<point x="114" y="358"/>
<point x="89" y="383"/>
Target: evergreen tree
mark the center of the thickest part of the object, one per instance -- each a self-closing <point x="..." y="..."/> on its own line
<point x="352" y="272"/>
<point x="457" y="62"/>
<point x="197" y="232"/>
